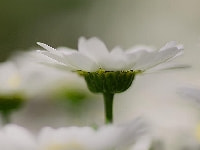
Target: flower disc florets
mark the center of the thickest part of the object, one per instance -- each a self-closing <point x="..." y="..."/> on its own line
<point x="103" y="81"/>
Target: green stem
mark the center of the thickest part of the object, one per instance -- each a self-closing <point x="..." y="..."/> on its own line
<point x="5" y="117"/>
<point x="108" y="104"/>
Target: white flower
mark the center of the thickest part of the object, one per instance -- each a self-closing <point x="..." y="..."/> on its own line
<point x="22" y="74"/>
<point x="13" y="137"/>
<point x="86" y="138"/>
<point x="93" y="55"/>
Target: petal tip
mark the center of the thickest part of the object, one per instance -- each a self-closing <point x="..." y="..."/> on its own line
<point x="47" y="47"/>
<point x="42" y="45"/>
<point x="39" y="43"/>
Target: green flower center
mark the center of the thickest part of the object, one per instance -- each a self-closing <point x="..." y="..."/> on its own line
<point x="103" y="81"/>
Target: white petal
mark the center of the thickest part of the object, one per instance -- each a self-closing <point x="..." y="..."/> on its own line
<point x="138" y="52"/>
<point x="48" y="48"/>
<point x="140" y="48"/>
<point x="53" y="56"/>
<point x="81" y="61"/>
<point x="50" y="55"/>
<point x="117" y="51"/>
<point x="60" y="66"/>
<point x="56" y="61"/>
<point x="93" y="48"/>
<point x="117" y="59"/>
<point x="169" y="45"/>
<point x="152" y="59"/>
<point x="115" y="63"/>
<point x="135" y="57"/>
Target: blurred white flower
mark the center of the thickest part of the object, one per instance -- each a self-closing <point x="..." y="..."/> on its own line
<point x="22" y="74"/>
<point x="13" y="137"/>
<point x="93" y="55"/>
<point x="87" y="138"/>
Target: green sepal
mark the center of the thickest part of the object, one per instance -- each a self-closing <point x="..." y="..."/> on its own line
<point x="103" y="81"/>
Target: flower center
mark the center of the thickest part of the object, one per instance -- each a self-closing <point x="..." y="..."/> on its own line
<point x="14" y="81"/>
<point x="103" y="81"/>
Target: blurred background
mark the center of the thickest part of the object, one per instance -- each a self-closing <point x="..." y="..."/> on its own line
<point x="125" y="23"/>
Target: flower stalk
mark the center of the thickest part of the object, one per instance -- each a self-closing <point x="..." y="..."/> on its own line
<point x="108" y="104"/>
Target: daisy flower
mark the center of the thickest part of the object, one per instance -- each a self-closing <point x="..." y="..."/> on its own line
<point x="113" y="71"/>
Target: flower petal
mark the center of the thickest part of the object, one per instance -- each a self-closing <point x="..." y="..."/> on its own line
<point x="116" y="60"/>
<point x="169" y="45"/>
<point x="48" y="48"/>
<point x="155" y="58"/>
<point x="60" y="66"/>
<point x="117" y="51"/>
<point x="137" y="52"/>
<point x="81" y="61"/>
<point x="93" y="48"/>
<point x="140" y="48"/>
